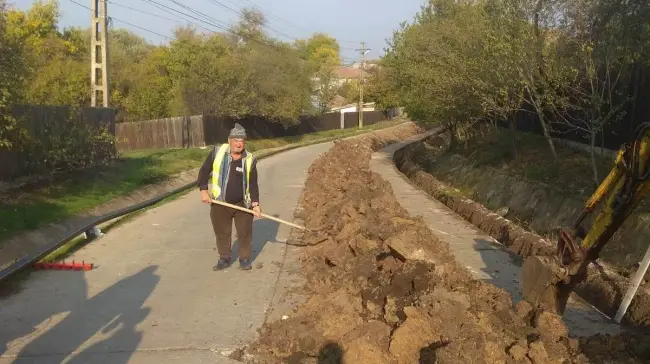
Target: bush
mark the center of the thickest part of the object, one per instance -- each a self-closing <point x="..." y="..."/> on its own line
<point x="65" y="141"/>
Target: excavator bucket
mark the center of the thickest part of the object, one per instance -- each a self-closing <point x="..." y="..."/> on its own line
<point x="542" y="284"/>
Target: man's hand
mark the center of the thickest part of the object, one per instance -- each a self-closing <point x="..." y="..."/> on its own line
<point x="257" y="211"/>
<point x="205" y="197"/>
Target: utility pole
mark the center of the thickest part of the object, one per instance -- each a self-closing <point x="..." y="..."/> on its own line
<point x="99" y="53"/>
<point x="363" y="50"/>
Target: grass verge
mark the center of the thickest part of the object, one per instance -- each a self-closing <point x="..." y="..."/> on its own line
<point x="73" y="194"/>
<point x="571" y="172"/>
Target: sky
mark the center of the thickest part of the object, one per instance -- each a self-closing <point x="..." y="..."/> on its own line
<point x="349" y="21"/>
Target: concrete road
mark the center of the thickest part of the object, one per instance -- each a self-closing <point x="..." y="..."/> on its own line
<point x="153" y="297"/>
<point x="485" y="257"/>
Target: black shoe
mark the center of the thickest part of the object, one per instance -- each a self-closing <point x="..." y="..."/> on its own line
<point x="245" y="264"/>
<point x="221" y="264"/>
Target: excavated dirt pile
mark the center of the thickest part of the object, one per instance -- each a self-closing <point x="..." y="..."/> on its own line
<point x="370" y="304"/>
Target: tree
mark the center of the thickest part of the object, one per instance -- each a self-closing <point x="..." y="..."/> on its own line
<point x="238" y="72"/>
<point x="249" y="28"/>
<point x="541" y="68"/>
<point x="319" y="50"/>
<point x="598" y="63"/>
<point x="436" y="68"/>
<point x="379" y="88"/>
<point x="34" y="26"/>
<point x="282" y="84"/>
<point x="256" y="78"/>
<point x="147" y="90"/>
<point x="218" y="84"/>
<point x="57" y="67"/>
<point x="322" y="54"/>
<point x="350" y="91"/>
<point x="129" y="72"/>
<point x="12" y="73"/>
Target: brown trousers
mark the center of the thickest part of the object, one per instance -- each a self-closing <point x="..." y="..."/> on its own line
<point x="222" y="218"/>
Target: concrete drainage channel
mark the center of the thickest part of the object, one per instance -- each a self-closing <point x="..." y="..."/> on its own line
<point x="604" y="289"/>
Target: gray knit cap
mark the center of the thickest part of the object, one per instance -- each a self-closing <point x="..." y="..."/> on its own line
<point x="238" y="132"/>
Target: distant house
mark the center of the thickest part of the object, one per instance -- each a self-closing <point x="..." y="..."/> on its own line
<point x="367" y="106"/>
<point x="368" y="64"/>
<point x="343" y="74"/>
<point x="337" y="101"/>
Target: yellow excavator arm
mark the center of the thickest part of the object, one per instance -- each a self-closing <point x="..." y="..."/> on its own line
<point x="547" y="281"/>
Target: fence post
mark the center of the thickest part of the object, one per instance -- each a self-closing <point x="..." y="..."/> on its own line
<point x="189" y="132"/>
<point x="342" y="119"/>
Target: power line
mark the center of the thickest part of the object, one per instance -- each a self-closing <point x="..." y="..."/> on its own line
<point x="175" y="12"/>
<point x="122" y="21"/>
<point x="234" y="56"/>
<point x="152" y="14"/>
<point x="210" y="20"/>
<point x="226" y="7"/>
<point x="212" y="23"/>
<point x="161" y="7"/>
<point x="168" y="9"/>
<point x="222" y="25"/>
<point x="141" y="28"/>
<point x="292" y="25"/>
<point x="238" y="12"/>
<point x="271" y="14"/>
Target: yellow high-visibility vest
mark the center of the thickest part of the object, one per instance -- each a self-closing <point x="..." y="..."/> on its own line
<point x="222" y="159"/>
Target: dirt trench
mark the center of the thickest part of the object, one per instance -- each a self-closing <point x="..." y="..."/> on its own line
<point x="603" y="288"/>
<point x="384" y="289"/>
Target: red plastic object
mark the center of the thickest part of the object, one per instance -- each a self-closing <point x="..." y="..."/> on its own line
<point x="65" y="266"/>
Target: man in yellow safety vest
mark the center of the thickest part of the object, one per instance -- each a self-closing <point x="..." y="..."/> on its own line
<point x="234" y="180"/>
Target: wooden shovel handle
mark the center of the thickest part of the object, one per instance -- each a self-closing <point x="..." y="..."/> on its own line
<point x="263" y="215"/>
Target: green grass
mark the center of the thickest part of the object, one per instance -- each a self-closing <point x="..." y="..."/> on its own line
<point x="73" y="194"/>
<point x="572" y="173"/>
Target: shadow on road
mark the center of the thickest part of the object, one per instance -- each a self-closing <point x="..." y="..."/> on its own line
<point x="504" y="269"/>
<point x="502" y="266"/>
<point x="264" y="231"/>
<point x="28" y="303"/>
<point x="111" y="314"/>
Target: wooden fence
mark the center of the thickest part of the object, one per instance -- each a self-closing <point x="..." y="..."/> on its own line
<point x="202" y="130"/>
<point x="49" y="127"/>
<point x="177" y="132"/>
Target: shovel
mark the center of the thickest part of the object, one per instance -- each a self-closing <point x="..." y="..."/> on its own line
<point x="263" y="215"/>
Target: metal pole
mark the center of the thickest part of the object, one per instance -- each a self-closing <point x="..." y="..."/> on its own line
<point x="635" y="283"/>
<point x="363" y="51"/>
